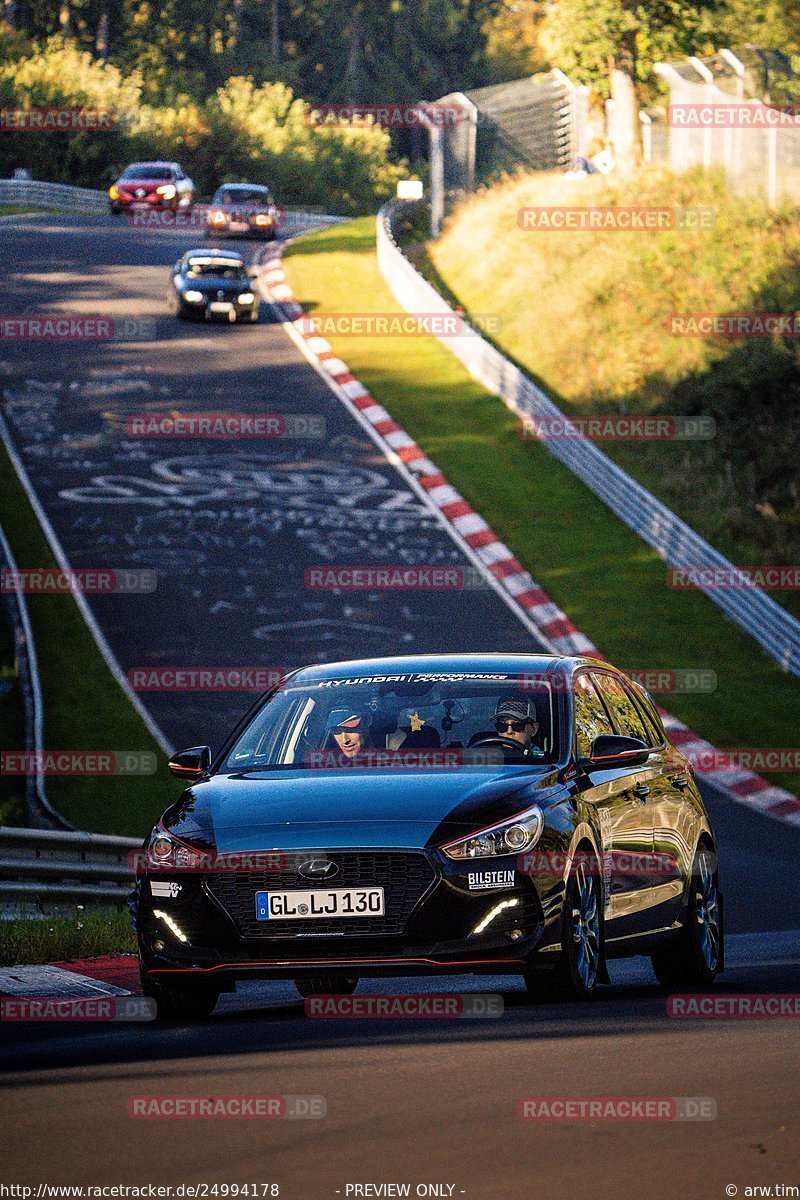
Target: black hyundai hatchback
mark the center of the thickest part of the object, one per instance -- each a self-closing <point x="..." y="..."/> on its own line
<point x="482" y="813"/>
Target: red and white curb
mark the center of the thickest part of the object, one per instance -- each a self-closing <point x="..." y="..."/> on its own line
<point x="92" y="978"/>
<point x="531" y="601"/>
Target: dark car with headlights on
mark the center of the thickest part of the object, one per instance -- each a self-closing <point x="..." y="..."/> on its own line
<point x="151" y="185"/>
<point x="242" y="210"/>
<point x="213" y="285"/>
<point x="476" y="813"/>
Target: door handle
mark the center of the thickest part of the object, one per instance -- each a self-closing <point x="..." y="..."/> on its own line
<point x="642" y="791"/>
<point x="680" y="782"/>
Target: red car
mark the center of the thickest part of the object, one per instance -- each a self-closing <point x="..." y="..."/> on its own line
<point x="151" y="185"/>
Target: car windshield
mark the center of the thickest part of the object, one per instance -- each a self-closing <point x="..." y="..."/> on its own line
<point x="406" y="720"/>
<point x="147" y="171"/>
<point x="257" y="196"/>
<point x="218" y="268"/>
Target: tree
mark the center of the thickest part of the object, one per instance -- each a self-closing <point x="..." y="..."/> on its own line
<point x="613" y="44"/>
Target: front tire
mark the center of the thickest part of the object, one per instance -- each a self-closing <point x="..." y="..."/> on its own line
<point x="181" y="1001"/>
<point x="577" y="969"/>
<point x="321" y="985"/>
<point x="695" y="957"/>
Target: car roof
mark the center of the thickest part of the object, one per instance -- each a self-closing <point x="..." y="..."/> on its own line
<point x="214" y="253"/>
<point x="452" y="664"/>
<point x="151" y="162"/>
<point x="250" y="187"/>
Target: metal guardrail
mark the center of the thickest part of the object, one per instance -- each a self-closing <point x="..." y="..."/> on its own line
<point x="39" y="194"/>
<point x="772" y="627"/>
<point x="52" y="195"/>
<point x="45" y="868"/>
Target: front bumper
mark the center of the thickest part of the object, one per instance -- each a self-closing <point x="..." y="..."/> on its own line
<point x="437" y="920"/>
<point x="202" y="311"/>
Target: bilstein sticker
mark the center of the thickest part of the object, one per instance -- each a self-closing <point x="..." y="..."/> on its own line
<point x="490" y="879"/>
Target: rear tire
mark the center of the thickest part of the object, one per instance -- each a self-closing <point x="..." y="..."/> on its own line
<point x="694" y="958"/>
<point x="181" y="1001"/>
<point x="578" y="964"/>
<point x="316" y="985"/>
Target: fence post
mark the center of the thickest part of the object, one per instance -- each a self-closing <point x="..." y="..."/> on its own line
<point x="772" y="166"/>
<point x="647" y="136"/>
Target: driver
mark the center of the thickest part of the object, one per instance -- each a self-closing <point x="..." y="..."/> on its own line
<point x="515" y="719"/>
<point x="349" y="727"/>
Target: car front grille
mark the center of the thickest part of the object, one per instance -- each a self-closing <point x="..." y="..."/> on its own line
<point x="404" y="876"/>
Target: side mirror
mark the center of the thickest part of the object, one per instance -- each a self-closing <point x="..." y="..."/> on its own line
<point x="191" y="764"/>
<point x="613" y="750"/>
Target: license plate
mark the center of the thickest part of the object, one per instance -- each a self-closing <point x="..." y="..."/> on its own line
<point x="220" y="307"/>
<point x="139" y="205"/>
<point x="311" y="905"/>
<point x="239" y="226"/>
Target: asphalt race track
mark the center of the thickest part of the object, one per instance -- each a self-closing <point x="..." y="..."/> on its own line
<point x="229" y="525"/>
<point x="231" y="528"/>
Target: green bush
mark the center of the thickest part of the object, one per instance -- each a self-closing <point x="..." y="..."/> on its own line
<point x="261" y="133"/>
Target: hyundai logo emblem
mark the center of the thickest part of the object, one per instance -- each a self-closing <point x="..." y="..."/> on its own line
<point x="318" y="868"/>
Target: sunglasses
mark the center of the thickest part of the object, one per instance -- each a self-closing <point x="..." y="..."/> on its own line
<point x="517" y="726"/>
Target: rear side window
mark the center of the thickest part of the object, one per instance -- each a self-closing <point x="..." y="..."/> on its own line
<point x="622" y="708"/>
<point x="590" y="717"/>
<point x="655" y="730"/>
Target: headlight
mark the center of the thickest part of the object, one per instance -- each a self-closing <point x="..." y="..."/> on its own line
<point x="193" y="297"/>
<point x="246" y="297"/>
<point x="509" y="837"/>
<point x="217" y="218"/>
<point x="165" y="852"/>
<point x="113" y="192"/>
<point x="262" y="219"/>
<point x="168" y="190"/>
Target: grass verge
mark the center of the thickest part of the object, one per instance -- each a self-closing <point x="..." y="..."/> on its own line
<point x="12" y="723"/>
<point x="84" y="706"/>
<point x="610" y="583"/>
<point x="603" y="321"/>
<point x="51" y="939"/>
